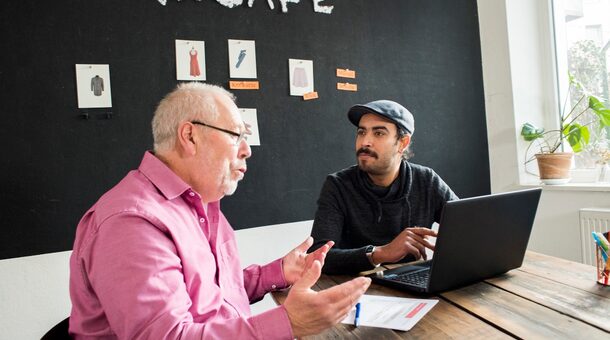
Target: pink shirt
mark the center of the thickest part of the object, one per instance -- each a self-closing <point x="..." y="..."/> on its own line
<point x="150" y="263"/>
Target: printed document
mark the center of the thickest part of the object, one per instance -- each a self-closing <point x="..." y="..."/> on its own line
<point x="390" y="312"/>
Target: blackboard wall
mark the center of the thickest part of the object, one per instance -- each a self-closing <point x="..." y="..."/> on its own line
<point x="423" y="54"/>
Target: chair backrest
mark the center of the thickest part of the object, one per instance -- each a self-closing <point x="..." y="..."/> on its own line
<point x="59" y="331"/>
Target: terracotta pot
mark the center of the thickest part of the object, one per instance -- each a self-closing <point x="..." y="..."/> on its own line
<point x="554" y="165"/>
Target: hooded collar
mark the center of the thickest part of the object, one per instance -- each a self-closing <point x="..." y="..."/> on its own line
<point x="399" y="189"/>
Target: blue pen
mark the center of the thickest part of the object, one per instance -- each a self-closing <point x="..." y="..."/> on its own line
<point x="357" y="318"/>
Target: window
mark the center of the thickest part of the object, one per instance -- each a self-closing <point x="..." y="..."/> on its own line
<point x="582" y="32"/>
<point x="594" y="33"/>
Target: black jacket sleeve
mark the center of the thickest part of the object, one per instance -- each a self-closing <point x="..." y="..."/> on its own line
<point x="328" y="226"/>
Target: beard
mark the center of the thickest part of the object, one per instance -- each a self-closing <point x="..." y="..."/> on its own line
<point x="229" y="182"/>
<point x="374" y="165"/>
<point x="230" y="188"/>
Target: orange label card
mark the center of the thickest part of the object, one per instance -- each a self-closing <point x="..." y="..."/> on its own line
<point x="347" y="87"/>
<point x="345" y="73"/>
<point x="243" y="85"/>
<point x="310" y="95"/>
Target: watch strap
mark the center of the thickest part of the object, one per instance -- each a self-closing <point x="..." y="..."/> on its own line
<point x="369" y="255"/>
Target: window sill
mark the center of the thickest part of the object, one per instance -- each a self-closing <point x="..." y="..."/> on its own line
<point x="592" y="186"/>
<point x="582" y="180"/>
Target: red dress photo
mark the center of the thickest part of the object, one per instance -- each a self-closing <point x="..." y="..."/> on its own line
<point x="194" y="63"/>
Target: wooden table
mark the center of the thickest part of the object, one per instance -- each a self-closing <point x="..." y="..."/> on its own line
<point x="547" y="297"/>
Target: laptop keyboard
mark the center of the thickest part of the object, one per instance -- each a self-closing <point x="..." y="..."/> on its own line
<point x="418" y="278"/>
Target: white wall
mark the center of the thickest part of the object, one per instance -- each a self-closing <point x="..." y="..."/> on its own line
<point x="557" y="229"/>
<point x="34" y="289"/>
<point x="518" y="68"/>
<point x="33" y="294"/>
<point x="266" y="244"/>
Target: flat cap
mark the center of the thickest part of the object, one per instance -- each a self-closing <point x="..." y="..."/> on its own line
<point x="385" y="108"/>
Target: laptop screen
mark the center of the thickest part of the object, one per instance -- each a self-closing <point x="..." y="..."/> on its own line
<point x="481" y="237"/>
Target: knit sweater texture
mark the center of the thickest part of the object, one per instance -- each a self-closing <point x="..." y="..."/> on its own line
<point x="354" y="215"/>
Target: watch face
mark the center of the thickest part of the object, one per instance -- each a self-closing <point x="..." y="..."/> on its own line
<point x="370" y="249"/>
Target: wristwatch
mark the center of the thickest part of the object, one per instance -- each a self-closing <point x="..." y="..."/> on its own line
<point x="369" y="255"/>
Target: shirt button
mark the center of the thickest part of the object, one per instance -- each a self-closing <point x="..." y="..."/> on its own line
<point x="202" y="220"/>
<point x="191" y="194"/>
<point x="273" y="286"/>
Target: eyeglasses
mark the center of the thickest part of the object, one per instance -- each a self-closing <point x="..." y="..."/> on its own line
<point x="240" y="136"/>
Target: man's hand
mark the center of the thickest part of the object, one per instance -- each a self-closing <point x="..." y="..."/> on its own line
<point x="409" y="241"/>
<point x="295" y="263"/>
<point x="311" y="312"/>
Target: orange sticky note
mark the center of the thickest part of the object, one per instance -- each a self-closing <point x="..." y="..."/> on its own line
<point x="347" y="87"/>
<point x="345" y="73"/>
<point x="243" y="85"/>
<point x="310" y="95"/>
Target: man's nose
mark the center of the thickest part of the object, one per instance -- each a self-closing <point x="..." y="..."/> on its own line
<point x="244" y="150"/>
<point x="365" y="140"/>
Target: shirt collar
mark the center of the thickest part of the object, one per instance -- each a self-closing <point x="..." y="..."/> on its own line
<point x="162" y="177"/>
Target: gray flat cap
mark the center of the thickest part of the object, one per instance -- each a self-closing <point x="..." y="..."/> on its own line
<point x="385" y="108"/>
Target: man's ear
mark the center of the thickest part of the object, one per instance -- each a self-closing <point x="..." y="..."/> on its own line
<point x="186" y="138"/>
<point x="404" y="143"/>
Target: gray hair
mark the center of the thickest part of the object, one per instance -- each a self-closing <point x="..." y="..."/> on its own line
<point x="187" y="102"/>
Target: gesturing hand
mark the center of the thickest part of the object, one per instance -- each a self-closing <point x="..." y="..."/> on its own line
<point x="410" y="241"/>
<point x="296" y="262"/>
<point x="311" y="312"/>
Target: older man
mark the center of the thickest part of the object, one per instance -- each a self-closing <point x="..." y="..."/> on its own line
<point x="155" y="257"/>
<point x="381" y="210"/>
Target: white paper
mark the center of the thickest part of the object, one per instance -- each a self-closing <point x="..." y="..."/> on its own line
<point x="300" y="73"/>
<point x="93" y="86"/>
<point x="242" y="59"/>
<point x="190" y="60"/>
<point x="249" y="117"/>
<point x="390" y="312"/>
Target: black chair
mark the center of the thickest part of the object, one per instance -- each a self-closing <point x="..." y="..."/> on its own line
<point x="59" y="331"/>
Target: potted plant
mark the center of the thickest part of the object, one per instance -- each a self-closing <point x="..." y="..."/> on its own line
<point x="553" y="163"/>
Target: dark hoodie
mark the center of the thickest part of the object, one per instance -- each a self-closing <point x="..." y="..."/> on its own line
<point x="355" y="213"/>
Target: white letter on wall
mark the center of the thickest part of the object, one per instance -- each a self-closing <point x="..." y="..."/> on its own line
<point x="322" y="9"/>
<point x="269" y="2"/>
<point x="230" y="3"/>
<point x="285" y="7"/>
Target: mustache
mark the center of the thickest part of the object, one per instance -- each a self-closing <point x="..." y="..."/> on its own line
<point x="366" y="151"/>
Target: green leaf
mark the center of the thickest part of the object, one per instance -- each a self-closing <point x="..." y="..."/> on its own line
<point x="574" y="82"/>
<point x="600" y="110"/>
<point x="531" y="132"/>
<point x="577" y="135"/>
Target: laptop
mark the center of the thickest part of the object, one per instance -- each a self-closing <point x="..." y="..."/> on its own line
<point x="478" y="238"/>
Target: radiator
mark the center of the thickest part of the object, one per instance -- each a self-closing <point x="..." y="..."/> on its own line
<point x="592" y="219"/>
